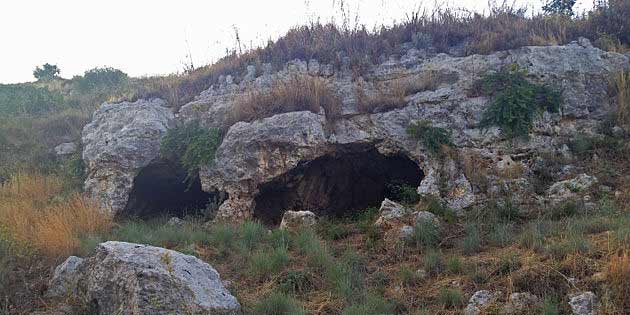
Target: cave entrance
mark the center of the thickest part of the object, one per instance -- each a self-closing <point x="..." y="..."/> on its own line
<point x="162" y="189"/>
<point x="337" y="185"/>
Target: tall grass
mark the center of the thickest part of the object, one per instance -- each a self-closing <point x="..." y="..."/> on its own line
<point x="621" y="85"/>
<point x="297" y="93"/>
<point x="619" y="280"/>
<point x="36" y="216"/>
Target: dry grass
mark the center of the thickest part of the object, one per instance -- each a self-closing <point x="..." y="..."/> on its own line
<point x="619" y="280"/>
<point x="35" y="216"/>
<point x="297" y="93"/>
<point x="392" y="94"/>
<point x="621" y="86"/>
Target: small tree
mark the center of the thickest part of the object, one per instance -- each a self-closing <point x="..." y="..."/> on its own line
<point x="46" y="72"/>
<point x="564" y="7"/>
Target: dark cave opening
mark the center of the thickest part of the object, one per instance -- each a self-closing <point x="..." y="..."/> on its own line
<point x="163" y="189"/>
<point x="336" y="185"/>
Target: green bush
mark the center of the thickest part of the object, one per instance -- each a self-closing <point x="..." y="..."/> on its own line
<point x="251" y="234"/>
<point x="407" y="194"/>
<point x="348" y="277"/>
<point x="101" y="79"/>
<point x="433" y="262"/>
<point x="223" y="237"/>
<point x="331" y="230"/>
<point x="501" y="234"/>
<point x="191" y="145"/>
<point x="408" y="277"/>
<point x="472" y="241"/>
<point x="434" y="139"/>
<point x="515" y="101"/>
<point x="263" y="264"/>
<point x="454" y="265"/>
<point x="278" y="304"/>
<point x="25" y="99"/>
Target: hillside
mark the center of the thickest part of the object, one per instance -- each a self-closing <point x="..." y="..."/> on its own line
<point x="452" y="163"/>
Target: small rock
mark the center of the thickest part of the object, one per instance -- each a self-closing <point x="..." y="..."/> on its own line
<point x="390" y="211"/>
<point x="175" y="221"/>
<point x="292" y="220"/>
<point x="66" y="148"/>
<point x="406" y="232"/>
<point x="426" y="216"/>
<point x="64" y="278"/>
<point x="583" y="303"/>
<point x="478" y="301"/>
<point x="522" y="303"/>
<point x="584" y="42"/>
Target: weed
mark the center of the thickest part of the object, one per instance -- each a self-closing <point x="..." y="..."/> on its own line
<point x="296" y="282"/>
<point x="453" y="265"/>
<point x="348" y="277"/>
<point x="251" y="234"/>
<point x="472" y="241"/>
<point x="408" y="277"/>
<point x="533" y="235"/>
<point x="621" y="87"/>
<point x="264" y="264"/>
<point x="223" y="237"/>
<point x="515" y="101"/>
<point x="550" y="306"/>
<point x="501" y="234"/>
<point x="278" y="304"/>
<point x="508" y="264"/>
<point x="331" y="230"/>
<point x="190" y="145"/>
<point x="450" y="298"/>
<point x="425" y="235"/>
<point x="407" y="194"/>
<point x="433" y="262"/>
<point x="373" y="305"/>
<point x="434" y="139"/>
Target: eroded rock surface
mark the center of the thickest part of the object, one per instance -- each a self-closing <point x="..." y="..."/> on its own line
<point x="275" y="156"/>
<point x="122" y="139"/>
<point x="133" y="279"/>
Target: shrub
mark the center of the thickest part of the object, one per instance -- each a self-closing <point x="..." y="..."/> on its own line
<point x="158" y="233"/>
<point x="434" y="139"/>
<point x="190" y="145"/>
<point x="508" y="263"/>
<point x="450" y="298"/>
<point x="550" y="306"/>
<point x="515" y="101"/>
<point x="533" y="235"/>
<point x="23" y="99"/>
<point x="278" y="304"/>
<point x="223" y="237"/>
<point x="297" y="93"/>
<point x="405" y="193"/>
<point x="425" y="235"/>
<point x="46" y="72"/>
<point x="101" y="79"/>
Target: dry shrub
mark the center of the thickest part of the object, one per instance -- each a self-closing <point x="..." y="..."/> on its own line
<point x="619" y="280"/>
<point x="297" y="93"/>
<point x="34" y="219"/>
<point x="391" y="94"/>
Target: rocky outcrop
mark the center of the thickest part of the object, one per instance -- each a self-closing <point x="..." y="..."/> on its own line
<point x="122" y="139"/>
<point x="281" y="155"/>
<point x="584" y="303"/>
<point x="64" y="279"/>
<point x="133" y="279"/>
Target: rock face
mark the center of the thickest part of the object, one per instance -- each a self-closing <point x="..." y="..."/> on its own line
<point x="302" y="160"/>
<point x="125" y="278"/>
<point x="121" y="140"/>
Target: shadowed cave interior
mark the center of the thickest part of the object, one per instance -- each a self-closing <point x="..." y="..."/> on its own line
<point x="163" y="189"/>
<point x="337" y="185"/>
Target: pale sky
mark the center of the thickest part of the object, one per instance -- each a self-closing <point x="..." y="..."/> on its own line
<point x="147" y="37"/>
